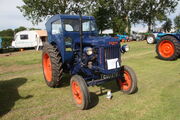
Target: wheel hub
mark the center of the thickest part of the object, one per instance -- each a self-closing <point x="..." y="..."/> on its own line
<point x="166" y="48"/>
<point x="77" y="92"/>
<point x="150" y="39"/>
<point x="47" y="67"/>
<point x="126" y="81"/>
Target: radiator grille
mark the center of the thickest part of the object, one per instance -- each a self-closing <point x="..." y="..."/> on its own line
<point x="111" y="52"/>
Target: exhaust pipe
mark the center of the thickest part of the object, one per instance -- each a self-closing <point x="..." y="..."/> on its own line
<point x="81" y="34"/>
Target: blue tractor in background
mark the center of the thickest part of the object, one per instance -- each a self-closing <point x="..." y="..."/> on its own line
<point x="74" y="46"/>
<point x="168" y="45"/>
<point x="152" y="37"/>
<point x="0" y="43"/>
<point x="122" y="38"/>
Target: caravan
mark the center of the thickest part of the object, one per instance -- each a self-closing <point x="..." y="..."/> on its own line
<point x="29" y="39"/>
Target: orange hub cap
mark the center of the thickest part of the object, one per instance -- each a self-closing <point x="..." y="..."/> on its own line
<point x="166" y="48"/>
<point x="76" y="90"/>
<point x="47" y="67"/>
<point x="126" y="83"/>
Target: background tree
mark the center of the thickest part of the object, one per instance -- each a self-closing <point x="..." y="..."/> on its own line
<point x="34" y="29"/>
<point x="39" y="10"/>
<point x="120" y="14"/>
<point x="177" y="22"/>
<point x="102" y="14"/>
<point x="153" y="10"/>
<point x="119" y="25"/>
<point x="167" y="25"/>
<point x="21" y="28"/>
<point x="125" y="12"/>
<point x="7" y="37"/>
<point x="8" y="32"/>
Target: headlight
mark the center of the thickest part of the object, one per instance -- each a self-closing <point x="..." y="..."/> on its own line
<point x="88" y="50"/>
<point x="125" y="48"/>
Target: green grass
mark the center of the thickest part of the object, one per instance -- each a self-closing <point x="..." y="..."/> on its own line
<point x="22" y="58"/>
<point x="24" y="94"/>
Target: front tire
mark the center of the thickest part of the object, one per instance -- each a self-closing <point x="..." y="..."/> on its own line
<point x="52" y="65"/>
<point x="127" y="82"/>
<point x="150" y="39"/>
<point x="80" y="92"/>
<point x="168" y="48"/>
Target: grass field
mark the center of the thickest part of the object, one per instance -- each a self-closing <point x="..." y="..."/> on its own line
<point x="24" y="94"/>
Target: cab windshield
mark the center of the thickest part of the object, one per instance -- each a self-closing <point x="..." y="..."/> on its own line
<point x="73" y="25"/>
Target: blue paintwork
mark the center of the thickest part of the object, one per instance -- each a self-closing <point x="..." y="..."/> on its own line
<point x="122" y="37"/>
<point x="0" y="43"/>
<point x="105" y="47"/>
<point x="176" y="35"/>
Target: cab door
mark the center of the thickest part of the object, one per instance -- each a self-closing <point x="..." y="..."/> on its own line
<point x="70" y="34"/>
<point x="57" y="36"/>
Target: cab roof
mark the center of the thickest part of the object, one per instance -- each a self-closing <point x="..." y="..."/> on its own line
<point x="65" y="16"/>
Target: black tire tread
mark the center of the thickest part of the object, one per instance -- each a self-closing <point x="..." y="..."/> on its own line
<point x="56" y="62"/>
<point x="133" y="88"/>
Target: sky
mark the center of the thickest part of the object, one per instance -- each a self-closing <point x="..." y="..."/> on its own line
<point x="11" y="17"/>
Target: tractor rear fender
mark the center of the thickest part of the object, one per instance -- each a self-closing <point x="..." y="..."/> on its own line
<point x="172" y="36"/>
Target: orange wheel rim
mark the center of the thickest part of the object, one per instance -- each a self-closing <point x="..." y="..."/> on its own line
<point x="166" y="48"/>
<point x="47" y="67"/>
<point x="77" y="94"/>
<point x="126" y="82"/>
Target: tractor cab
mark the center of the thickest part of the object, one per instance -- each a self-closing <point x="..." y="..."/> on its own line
<point x="64" y="31"/>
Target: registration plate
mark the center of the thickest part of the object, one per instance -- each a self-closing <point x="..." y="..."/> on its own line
<point x="113" y="63"/>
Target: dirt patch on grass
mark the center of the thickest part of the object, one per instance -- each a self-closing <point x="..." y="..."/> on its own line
<point x="15" y="53"/>
<point x="10" y="54"/>
<point x="16" y="68"/>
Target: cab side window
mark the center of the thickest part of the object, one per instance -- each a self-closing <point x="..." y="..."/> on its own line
<point x="56" y="27"/>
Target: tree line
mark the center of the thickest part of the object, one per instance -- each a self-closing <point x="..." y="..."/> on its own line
<point x="116" y="14"/>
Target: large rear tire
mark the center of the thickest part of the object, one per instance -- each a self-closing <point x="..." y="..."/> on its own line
<point x="150" y="39"/>
<point x="80" y="93"/>
<point x="168" y="48"/>
<point x="52" y="65"/>
<point x="127" y="82"/>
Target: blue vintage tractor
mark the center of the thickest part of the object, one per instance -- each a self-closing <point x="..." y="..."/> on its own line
<point x="168" y="45"/>
<point x="122" y="38"/>
<point x="74" y="46"/>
